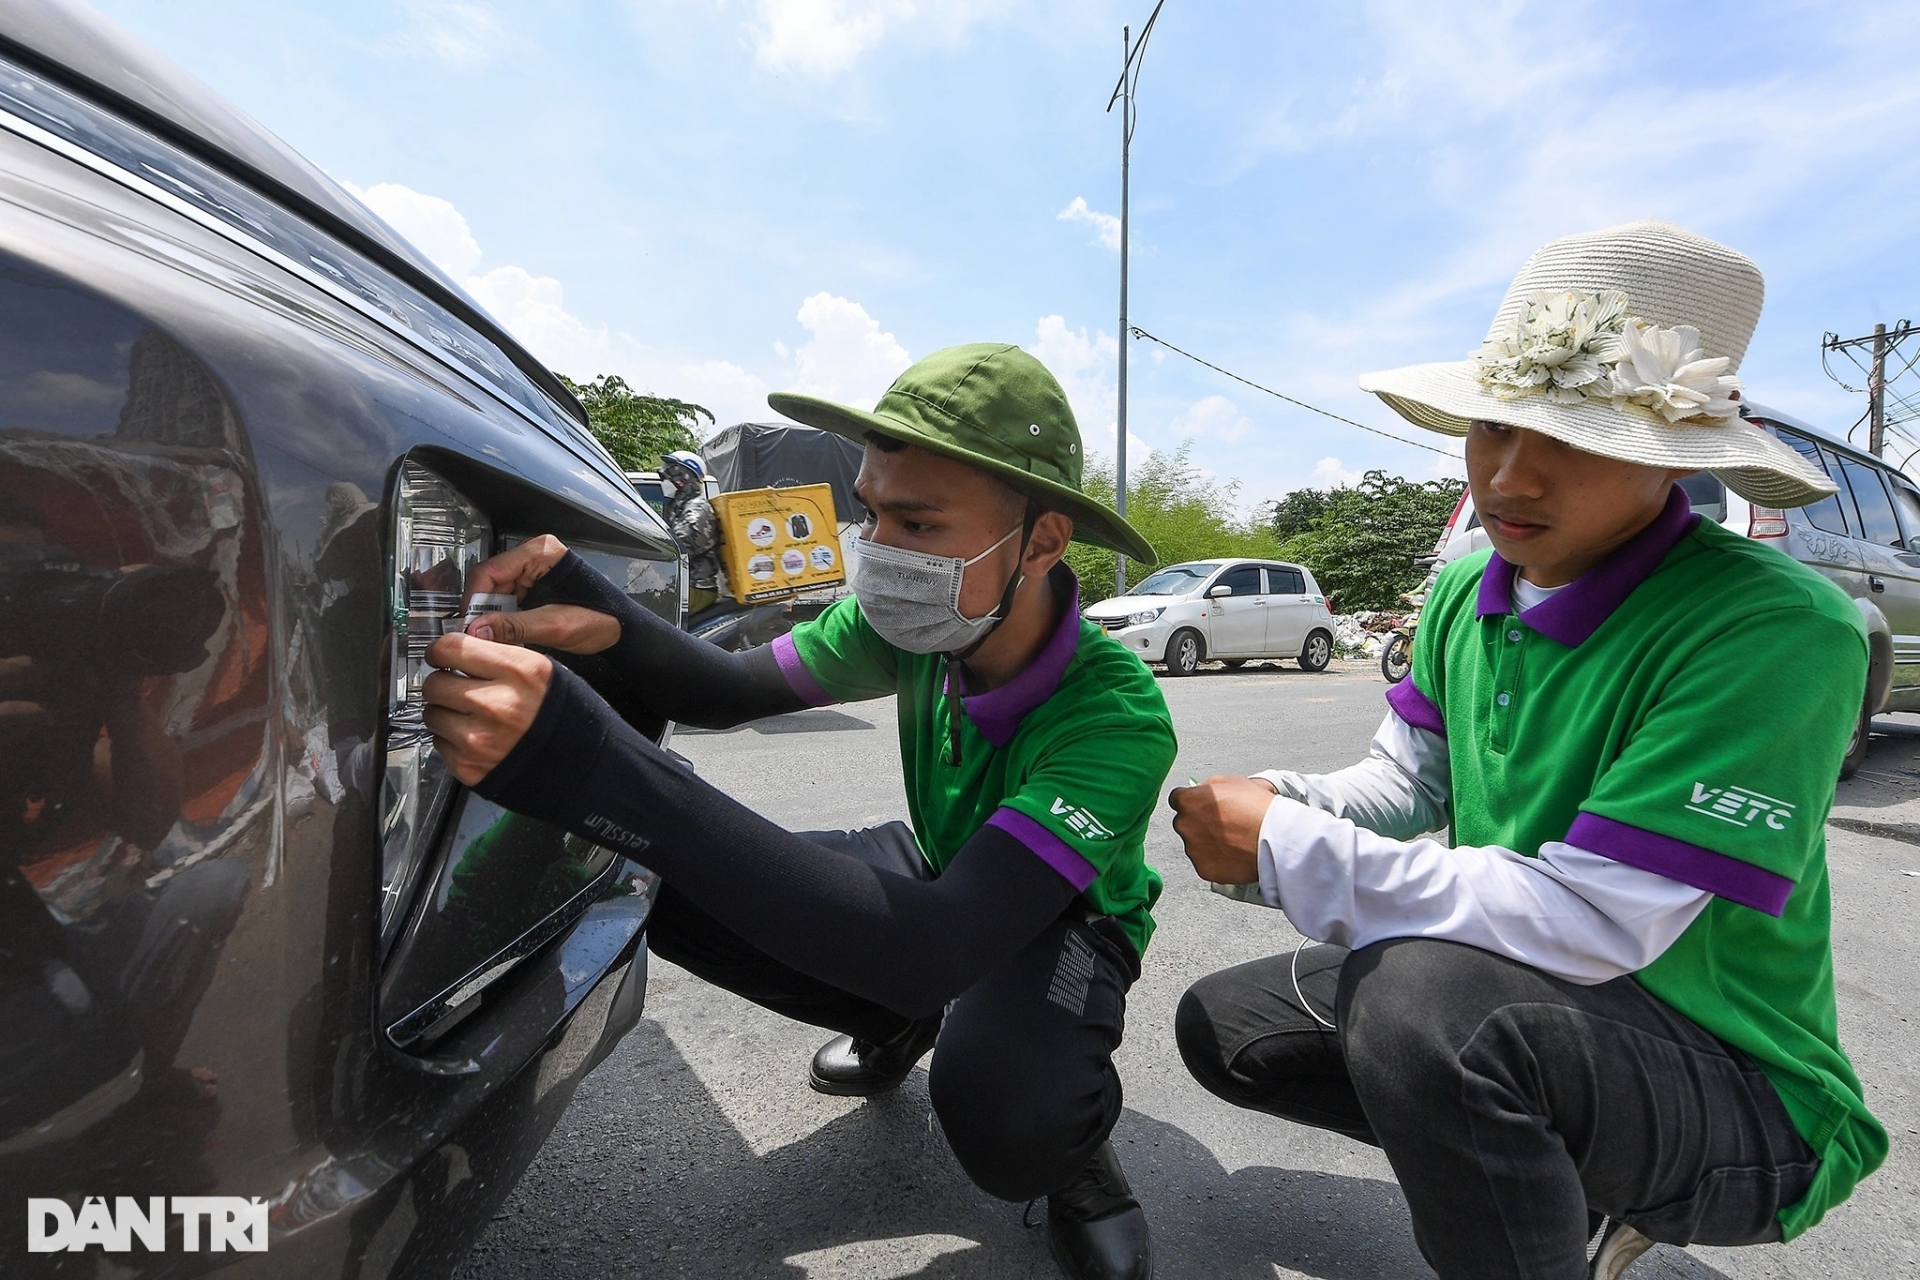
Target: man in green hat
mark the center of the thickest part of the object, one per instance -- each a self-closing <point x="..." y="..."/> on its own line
<point x="1003" y="927"/>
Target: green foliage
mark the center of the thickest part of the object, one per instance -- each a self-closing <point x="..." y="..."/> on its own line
<point x="1182" y="513"/>
<point x="1362" y="545"/>
<point x="635" y="428"/>
<point x="1298" y="512"/>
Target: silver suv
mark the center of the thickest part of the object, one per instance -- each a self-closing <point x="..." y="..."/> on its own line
<point x="1866" y="539"/>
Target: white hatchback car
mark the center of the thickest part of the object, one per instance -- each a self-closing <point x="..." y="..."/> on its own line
<point x="1232" y="610"/>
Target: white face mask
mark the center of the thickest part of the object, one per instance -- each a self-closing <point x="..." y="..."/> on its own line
<point x="912" y="598"/>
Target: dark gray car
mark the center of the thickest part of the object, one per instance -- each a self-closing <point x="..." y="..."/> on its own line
<point x="254" y="942"/>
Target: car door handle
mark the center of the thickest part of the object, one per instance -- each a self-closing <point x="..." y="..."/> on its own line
<point x="1876" y="585"/>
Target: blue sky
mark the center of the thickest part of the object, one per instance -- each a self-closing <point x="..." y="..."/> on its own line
<point x="718" y="198"/>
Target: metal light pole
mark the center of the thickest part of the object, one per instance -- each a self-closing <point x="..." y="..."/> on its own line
<point x="1123" y="92"/>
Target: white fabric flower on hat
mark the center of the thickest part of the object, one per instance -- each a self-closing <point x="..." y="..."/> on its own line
<point x="1559" y="346"/>
<point x="1666" y="370"/>
<point x="1571" y="347"/>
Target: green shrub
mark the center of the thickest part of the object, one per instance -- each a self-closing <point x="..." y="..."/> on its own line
<point x="1362" y="545"/>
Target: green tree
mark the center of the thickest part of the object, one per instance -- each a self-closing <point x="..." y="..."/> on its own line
<point x="1182" y="513"/>
<point x="1298" y="512"/>
<point x="1362" y="547"/>
<point x="635" y="428"/>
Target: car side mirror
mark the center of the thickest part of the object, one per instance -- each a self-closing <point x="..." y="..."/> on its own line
<point x="1216" y="592"/>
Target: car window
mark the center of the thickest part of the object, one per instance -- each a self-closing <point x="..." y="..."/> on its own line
<point x="1707" y="495"/>
<point x="1825" y="514"/>
<point x="1906" y="501"/>
<point x="1285" y="582"/>
<point x="1877" y="521"/>
<point x="1243" y="580"/>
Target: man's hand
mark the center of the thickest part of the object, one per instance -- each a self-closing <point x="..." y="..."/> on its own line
<point x="565" y="627"/>
<point x="482" y="701"/>
<point x="1219" y="820"/>
<point x="513" y="571"/>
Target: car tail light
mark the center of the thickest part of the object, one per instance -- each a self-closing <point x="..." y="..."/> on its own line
<point x="437" y="537"/>
<point x="1767" y="522"/>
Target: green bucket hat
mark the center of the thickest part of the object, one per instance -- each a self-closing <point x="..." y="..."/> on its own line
<point x="991" y="406"/>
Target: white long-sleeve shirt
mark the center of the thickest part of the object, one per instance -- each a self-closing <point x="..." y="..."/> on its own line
<point x="1340" y="854"/>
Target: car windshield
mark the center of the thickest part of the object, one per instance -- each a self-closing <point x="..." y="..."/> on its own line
<point x="1174" y="580"/>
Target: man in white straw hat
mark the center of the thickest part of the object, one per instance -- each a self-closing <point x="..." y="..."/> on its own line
<point x="1611" y="994"/>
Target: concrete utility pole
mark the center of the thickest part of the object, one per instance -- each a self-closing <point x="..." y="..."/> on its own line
<point x="1877" y="393"/>
<point x="1123" y="93"/>
<point x="1881" y="343"/>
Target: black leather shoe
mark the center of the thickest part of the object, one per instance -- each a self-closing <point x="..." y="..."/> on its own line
<point x="849" y="1068"/>
<point x="1096" y="1227"/>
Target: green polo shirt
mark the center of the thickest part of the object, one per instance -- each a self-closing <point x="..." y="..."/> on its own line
<point x="1069" y="757"/>
<point x="1682" y="708"/>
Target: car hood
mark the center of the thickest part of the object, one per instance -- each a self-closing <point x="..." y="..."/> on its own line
<point x="1120" y="606"/>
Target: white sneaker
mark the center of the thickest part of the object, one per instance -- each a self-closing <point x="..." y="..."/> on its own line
<point x="1619" y="1247"/>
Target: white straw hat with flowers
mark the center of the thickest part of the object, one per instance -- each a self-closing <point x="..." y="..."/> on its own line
<point x="1625" y="343"/>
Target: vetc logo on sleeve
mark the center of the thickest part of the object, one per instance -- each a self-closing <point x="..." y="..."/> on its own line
<point x="1740" y="806"/>
<point x="231" y="1222"/>
<point x="1084" y="824"/>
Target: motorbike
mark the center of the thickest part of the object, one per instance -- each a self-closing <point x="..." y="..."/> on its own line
<point x="1396" y="655"/>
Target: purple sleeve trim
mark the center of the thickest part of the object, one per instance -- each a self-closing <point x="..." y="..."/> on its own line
<point x="1048" y="847"/>
<point x="801" y="680"/>
<point x="1718" y="874"/>
<point x="1415" y="707"/>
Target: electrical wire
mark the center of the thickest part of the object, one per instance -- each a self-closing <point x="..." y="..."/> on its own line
<point x="1301" y="995"/>
<point x="1138" y="332"/>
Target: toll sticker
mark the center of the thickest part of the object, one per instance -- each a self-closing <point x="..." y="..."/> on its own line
<point x="822" y="557"/>
<point x="760" y="568"/>
<point x="793" y="560"/>
<point x="760" y="532"/>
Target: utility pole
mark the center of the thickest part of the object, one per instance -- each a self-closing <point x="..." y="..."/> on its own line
<point x="1877" y="393"/>
<point x="1881" y="343"/>
<point x="1123" y="93"/>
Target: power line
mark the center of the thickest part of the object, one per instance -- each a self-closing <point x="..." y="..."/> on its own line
<point x="1138" y="332"/>
<point x="1882" y="343"/>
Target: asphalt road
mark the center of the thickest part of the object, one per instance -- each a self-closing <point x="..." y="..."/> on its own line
<point x="697" y="1149"/>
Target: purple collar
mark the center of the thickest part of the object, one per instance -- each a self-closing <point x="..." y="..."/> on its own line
<point x="1576" y="611"/>
<point x="997" y="713"/>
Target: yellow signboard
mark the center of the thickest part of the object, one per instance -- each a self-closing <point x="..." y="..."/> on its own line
<point x="776" y="542"/>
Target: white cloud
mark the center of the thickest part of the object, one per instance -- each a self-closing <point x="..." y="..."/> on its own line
<point x="435" y="227"/>
<point x="1086" y="368"/>
<point x="1331" y="473"/>
<point x="1106" y="227"/>
<point x="822" y="38"/>
<point x="460" y="33"/>
<point x="848" y="357"/>
<point x="533" y="308"/>
<point x="1214" y="417"/>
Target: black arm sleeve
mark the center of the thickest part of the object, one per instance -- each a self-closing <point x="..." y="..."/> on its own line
<point x="910" y="945"/>
<point x="657" y="668"/>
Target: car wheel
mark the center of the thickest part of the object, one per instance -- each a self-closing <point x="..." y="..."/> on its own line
<point x="1183" y="653"/>
<point x="1857" y="745"/>
<point x="1317" y="652"/>
<point x="1396" y="659"/>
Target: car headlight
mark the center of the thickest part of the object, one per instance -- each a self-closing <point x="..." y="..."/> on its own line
<point x="1145" y="616"/>
<point x="438" y="536"/>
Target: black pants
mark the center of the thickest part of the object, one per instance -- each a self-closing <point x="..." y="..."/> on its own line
<point x="1512" y="1105"/>
<point x="1022" y="1075"/>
